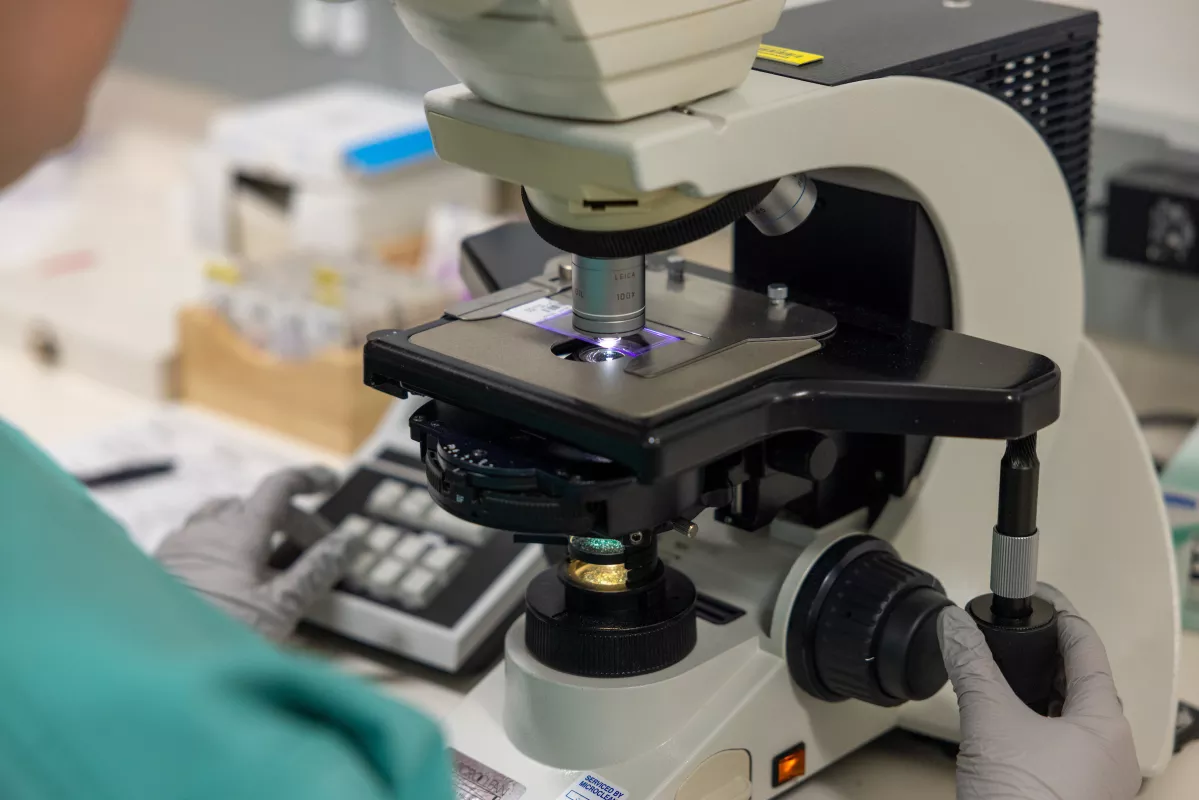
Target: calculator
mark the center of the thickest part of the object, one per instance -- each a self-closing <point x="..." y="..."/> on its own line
<point x="426" y="585"/>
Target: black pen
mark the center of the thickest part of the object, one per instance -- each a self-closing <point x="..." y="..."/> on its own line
<point x="126" y="474"/>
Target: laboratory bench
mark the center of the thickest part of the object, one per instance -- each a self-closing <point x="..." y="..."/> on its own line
<point x="54" y="405"/>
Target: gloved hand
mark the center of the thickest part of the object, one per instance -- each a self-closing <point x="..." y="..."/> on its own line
<point x="223" y="549"/>
<point x="1009" y="751"/>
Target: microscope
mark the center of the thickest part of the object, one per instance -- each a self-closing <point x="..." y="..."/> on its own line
<point x="767" y="483"/>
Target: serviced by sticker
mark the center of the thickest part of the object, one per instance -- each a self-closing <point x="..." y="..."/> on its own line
<point x="590" y="786"/>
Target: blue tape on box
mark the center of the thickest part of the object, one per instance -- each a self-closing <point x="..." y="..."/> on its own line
<point x="390" y="154"/>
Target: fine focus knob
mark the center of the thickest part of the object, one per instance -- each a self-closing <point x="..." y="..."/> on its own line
<point x="864" y="626"/>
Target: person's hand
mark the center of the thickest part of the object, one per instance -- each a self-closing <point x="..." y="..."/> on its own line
<point x="1008" y="750"/>
<point x="223" y="549"/>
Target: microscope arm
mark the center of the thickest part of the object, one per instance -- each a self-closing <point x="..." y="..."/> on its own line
<point x="1022" y="290"/>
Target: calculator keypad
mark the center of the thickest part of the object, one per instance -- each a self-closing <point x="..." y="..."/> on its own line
<point x="413" y="549"/>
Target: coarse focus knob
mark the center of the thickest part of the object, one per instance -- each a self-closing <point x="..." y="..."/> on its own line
<point x="864" y="626"/>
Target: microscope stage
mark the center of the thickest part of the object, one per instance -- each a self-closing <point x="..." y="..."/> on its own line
<point x="703" y="340"/>
<point x="742" y="370"/>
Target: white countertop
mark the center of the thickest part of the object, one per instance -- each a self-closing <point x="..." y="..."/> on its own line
<point x="54" y="407"/>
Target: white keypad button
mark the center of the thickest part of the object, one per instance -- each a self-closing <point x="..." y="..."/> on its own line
<point x="354" y="526"/>
<point x="447" y="524"/>
<point x="414" y="505"/>
<point x="382" y="538"/>
<point x="363" y="564"/>
<point x="385" y="574"/>
<point x="417" y="588"/>
<point x="411" y="548"/>
<point x="386" y="497"/>
<point x="435" y="540"/>
<point x="444" y="561"/>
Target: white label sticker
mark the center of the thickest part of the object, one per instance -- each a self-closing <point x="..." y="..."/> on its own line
<point x="474" y="781"/>
<point x="593" y="787"/>
<point x="538" y="311"/>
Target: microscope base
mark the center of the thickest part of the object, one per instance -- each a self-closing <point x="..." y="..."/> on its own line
<point x="646" y="737"/>
<point x="755" y="705"/>
<point x="731" y="700"/>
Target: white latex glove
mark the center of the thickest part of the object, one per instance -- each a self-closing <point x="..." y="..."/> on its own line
<point x="1008" y="751"/>
<point x="223" y="550"/>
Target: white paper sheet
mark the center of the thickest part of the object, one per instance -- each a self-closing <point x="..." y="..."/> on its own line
<point x="211" y="459"/>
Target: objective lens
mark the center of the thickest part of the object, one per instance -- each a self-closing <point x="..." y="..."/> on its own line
<point x="609" y="296"/>
<point x="788" y="206"/>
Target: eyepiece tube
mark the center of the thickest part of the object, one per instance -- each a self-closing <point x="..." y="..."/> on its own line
<point x="609" y="295"/>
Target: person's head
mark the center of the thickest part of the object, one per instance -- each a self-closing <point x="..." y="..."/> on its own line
<point x="50" y="54"/>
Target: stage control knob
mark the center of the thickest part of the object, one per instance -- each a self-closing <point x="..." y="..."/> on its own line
<point x="864" y="626"/>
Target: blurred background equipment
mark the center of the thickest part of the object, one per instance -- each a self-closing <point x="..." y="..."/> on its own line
<point x="1153" y="215"/>
<point x="1181" y="482"/>
<point x="96" y="258"/>
<point x="346" y="170"/>
<point x="278" y="342"/>
<point x="328" y="216"/>
<point x="107" y="243"/>
<point x="296" y="306"/>
<point x="1143" y="271"/>
<point x="1146" y="133"/>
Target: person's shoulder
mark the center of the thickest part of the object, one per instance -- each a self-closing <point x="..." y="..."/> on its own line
<point x="21" y="459"/>
<point x="10" y="436"/>
<point x="13" y="439"/>
<point x="30" y="478"/>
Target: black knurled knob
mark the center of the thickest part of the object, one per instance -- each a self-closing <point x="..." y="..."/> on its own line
<point x="637" y="636"/>
<point x="1026" y="650"/>
<point x="848" y="630"/>
<point x="865" y="627"/>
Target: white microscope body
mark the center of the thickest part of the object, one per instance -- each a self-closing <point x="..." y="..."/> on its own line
<point x="711" y="727"/>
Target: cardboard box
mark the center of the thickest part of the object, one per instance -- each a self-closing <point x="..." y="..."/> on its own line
<point x="321" y="400"/>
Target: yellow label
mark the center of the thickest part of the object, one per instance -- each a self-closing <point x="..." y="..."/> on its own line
<point x="327" y="287"/>
<point x="785" y="56"/>
<point x="222" y="272"/>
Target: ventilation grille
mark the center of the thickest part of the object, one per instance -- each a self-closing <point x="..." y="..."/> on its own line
<point x="716" y="611"/>
<point x="1052" y="83"/>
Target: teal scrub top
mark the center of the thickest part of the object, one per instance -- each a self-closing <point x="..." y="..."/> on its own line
<point x="118" y="683"/>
